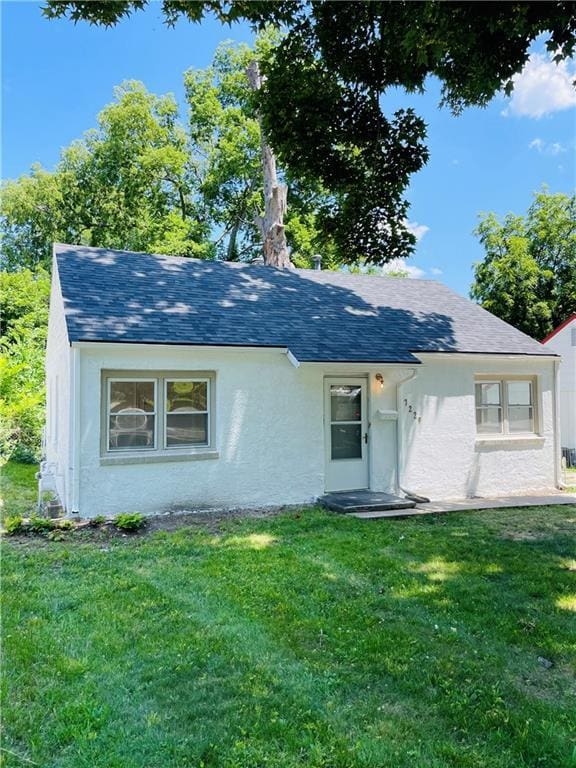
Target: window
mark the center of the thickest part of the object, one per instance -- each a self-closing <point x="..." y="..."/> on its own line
<point x="186" y="412"/>
<point x="505" y="406"/>
<point x="157" y="413"/>
<point x="345" y="421"/>
<point x="132" y="414"/>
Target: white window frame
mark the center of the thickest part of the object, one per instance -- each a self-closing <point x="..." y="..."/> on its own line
<point x="114" y="379"/>
<point x="504" y="382"/>
<point x="165" y="413"/>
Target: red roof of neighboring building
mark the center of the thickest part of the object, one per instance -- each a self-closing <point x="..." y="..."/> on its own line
<point x="557" y="330"/>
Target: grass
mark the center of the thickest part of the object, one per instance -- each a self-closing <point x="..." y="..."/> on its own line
<point x="304" y="640"/>
<point x="570" y="479"/>
<point x="19" y="489"/>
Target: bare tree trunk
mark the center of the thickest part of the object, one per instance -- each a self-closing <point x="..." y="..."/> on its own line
<point x="231" y="250"/>
<point x="271" y="225"/>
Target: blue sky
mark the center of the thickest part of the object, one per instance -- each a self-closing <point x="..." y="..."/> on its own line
<point x="56" y="77"/>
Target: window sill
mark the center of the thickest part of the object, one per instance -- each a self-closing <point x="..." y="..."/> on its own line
<point x="509" y="439"/>
<point x="158" y="457"/>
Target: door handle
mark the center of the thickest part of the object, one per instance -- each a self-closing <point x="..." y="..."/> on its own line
<point x="366" y="437"/>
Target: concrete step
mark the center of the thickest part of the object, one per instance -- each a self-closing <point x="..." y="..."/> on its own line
<point x="365" y="503"/>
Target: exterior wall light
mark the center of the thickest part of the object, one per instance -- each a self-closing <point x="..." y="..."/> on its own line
<point x="380" y="379"/>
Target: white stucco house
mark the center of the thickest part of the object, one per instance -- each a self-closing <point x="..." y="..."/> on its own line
<point x="177" y="383"/>
<point x="563" y="342"/>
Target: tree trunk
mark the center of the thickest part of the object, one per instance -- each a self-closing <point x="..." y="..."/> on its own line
<point x="231" y="250"/>
<point x="271" y="225"/>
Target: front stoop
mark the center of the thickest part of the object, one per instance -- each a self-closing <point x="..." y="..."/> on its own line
<point x="368" y="504"/>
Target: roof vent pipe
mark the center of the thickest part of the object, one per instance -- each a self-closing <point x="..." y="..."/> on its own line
<point x="317" y="261"/>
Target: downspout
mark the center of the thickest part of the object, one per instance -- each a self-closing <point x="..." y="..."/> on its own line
<point x="74" y="432"/>
<point x="399" y="489"/>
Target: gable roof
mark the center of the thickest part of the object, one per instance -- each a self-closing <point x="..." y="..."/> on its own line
<point x="121" y="296"/>
<point x="560" y="328"/>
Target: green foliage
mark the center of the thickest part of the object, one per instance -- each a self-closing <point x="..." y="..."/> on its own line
<point x="303" y="640"/>
<point x="40" y="524"/>
<point x="24" y="329"/>
<point x="130" y="521"/>
<point x="142" y="181"/>
<point x="528" y="276"/>
<point x="96" y="522"/>
<point x="64" y="524"/>
<point x="341" y="57"/>
<point x="123" y="185"/>
<point x="13" y="525"/>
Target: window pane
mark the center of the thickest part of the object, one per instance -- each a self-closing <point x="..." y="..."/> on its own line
<point x="488" y="394"/>
<point x="186" y="429"/>
<point x="346" y="441"/>
<point x="489" y="419"/>
<point x="132" y="395"/>
<point x="186" y="396"/>
<point x="519" y="393"/>
<point x="131" y="430"/>
<point x="345" y="403"/>
<point x="520" y="418"/>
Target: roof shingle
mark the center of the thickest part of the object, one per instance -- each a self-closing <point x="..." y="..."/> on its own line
<point x="120" y="296"/>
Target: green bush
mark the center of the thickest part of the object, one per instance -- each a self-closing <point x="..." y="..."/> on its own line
<point x="130" y="521"/>
<point x="56" y="534"/>
<point x="13" y="525"/>
<point x="63" y="524"/>
<point x="40" y="524"/>
<point x="23" y="328"/>
<point x="97" y="521"/>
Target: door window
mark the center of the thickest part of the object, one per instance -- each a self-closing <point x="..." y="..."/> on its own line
<point x="345" y="421"/>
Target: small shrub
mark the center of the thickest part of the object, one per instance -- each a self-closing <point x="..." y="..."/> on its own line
<point x="13" y="525"/>
<point x="57" y="534"/>
<point x="130" y="521"/>
<point x="95" y="522"/>
<point x="63" y="524"/>
<point x="40" y="524"/>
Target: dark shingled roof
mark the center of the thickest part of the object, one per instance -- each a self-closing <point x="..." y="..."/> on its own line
<point x="119" y="296"/>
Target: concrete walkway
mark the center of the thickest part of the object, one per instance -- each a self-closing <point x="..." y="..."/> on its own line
<point x="461" y="505"/>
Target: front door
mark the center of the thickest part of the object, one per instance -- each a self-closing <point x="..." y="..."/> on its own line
<point x="346" y="433"/>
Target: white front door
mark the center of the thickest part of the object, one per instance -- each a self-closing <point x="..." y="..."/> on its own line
<point x="346" y="433"/>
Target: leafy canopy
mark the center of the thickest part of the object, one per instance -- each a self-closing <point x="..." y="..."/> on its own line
<point x="528" y="275"/>
<point x="144" y="181"/>
<point x="321" y="103"/>
<point x="23" y="333"/>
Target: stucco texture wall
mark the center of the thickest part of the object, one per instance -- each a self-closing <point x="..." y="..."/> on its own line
<point x="563" y="344"/>
<point x="268" y="421"/>
<point x="270" y="433"/>
<point x="442" y="455"/>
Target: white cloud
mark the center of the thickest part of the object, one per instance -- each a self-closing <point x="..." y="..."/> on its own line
<point x="436" y="271"/>
<point x="542" y="87"/>
<point x="547" y="147"/>
<point x="399" y="265"/>
<point x="418" y="230"/>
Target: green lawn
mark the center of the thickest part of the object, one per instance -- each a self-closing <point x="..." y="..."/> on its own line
<point x="19" y="489"/>
<point x="300" y="640"/>
<point x="570" y="479"/>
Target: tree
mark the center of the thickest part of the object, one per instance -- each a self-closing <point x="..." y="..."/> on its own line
<point x="143" y="181"/>
<point x="528" y="276"/>
<point x="321" y="104"/>
<point x="123" y="185"/>
<point x="23" y="339"/>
